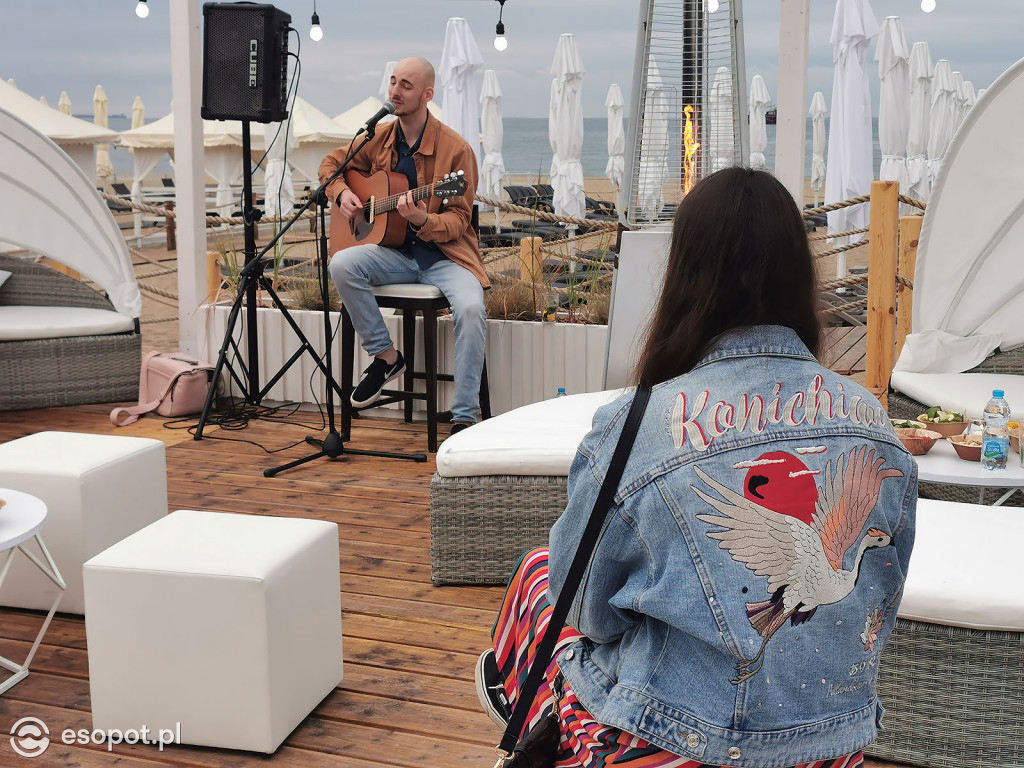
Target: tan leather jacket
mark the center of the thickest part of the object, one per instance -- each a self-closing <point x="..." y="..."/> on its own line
<point x="441" y="151"/>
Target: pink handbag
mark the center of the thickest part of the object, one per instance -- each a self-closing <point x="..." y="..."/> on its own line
<point x="170" y="383"/>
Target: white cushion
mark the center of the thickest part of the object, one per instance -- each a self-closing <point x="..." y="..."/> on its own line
<point x="4" y="274"/>
<point x="966" y="569"/>
<point x="97" y="488"/>
<point x="960" y="391"/>
<point x="536" y="439"/>
<point x="227" y="624"/>
<point x="408" y="290"/>
<point x="19" y="323"/>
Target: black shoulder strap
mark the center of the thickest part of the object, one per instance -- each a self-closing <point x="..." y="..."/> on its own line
<point x="588" y="542"/>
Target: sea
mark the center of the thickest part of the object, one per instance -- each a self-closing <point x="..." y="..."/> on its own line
<point x="525" y="148"/>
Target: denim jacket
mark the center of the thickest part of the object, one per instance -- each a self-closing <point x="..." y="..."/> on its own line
<point x="749" y="573"/>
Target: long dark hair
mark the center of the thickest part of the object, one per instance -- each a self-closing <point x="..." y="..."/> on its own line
<point x="739" y="257"/>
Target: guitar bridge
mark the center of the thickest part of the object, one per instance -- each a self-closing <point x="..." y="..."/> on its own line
<point x="373" y="199"/>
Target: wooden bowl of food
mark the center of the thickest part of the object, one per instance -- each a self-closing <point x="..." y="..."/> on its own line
<point x="917" y="441"/>
<point x="967" y="447"/>
<point x="907" y="424"/>
<point x="946" y="423"/>
<point x="1016" y="430"/>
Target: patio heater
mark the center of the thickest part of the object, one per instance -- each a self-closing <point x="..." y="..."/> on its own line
<point x="687" y="115"/>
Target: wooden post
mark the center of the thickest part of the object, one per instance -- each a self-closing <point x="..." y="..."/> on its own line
<point x="172" y="240"/>
<point x="883" y="246"/>
<point x="910" y="234"/>
<point x="531" y="267"/>
<point x="213" y="277"/>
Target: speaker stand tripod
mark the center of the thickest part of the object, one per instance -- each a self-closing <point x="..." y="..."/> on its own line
<point x="251" y="277"/>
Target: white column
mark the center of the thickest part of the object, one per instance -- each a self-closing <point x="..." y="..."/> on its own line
<point x="791" y="122"/>
<point x="189" y="176"/>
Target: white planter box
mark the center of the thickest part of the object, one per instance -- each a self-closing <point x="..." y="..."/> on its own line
<point x="526" y="361"/>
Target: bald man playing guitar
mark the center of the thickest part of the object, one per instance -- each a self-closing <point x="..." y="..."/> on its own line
<point x="431" y="241"/>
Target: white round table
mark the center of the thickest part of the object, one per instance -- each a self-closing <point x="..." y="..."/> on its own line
<point x="942" y="465"/>
<point x="21" y="519"/>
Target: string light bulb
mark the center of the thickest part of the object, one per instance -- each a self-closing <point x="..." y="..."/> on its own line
<point x="927" y="5"/>
<point x="316" y="33"/>
<point x="142" y="9"/>
<point x="712" y="6"/>
<point x="500" y="41"/>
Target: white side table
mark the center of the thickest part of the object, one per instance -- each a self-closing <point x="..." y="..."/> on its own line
<point x="21" y="519"/>
<point x="942" y="465"/>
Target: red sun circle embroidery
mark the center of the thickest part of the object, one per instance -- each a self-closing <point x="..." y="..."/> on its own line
<point x="783" y="484"/>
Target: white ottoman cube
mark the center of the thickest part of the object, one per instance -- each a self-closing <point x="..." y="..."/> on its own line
<point x="229" y="625"/>
<point x="97" y="488"/>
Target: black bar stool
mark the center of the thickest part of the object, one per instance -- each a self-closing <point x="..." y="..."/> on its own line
<point x="411" y="298"/>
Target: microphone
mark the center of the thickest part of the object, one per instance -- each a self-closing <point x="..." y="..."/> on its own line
<point x="384" y="111"/>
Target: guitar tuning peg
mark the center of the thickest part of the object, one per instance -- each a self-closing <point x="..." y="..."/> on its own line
<point x="445" y="201"/>
<point x="446" y="176"/>
<point x="462" y="173"/>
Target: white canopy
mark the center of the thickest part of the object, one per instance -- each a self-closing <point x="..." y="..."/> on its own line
<point x="616" y="165"/>
<point x="850" y="167"/>
<point x="893" y="59"/>
<point x="565" y="129"/>
<point x="758" y="101"/>
<point x="222" y="142"/>
<point x="52" y="123"/>
<point x="969" y="281"/>
<point x="817" y="112"/>
<point x="917" y="130"/>
<point x="314" y="134"/>
<point x="49" y="206"/>
<point x="492" y="169"/>
<point x="459" y="83"/>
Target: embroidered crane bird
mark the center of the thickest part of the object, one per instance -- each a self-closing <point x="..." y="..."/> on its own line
<point x="803" y="562"/>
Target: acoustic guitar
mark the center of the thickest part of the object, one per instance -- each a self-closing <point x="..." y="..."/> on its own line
<point x="380" y="223"/>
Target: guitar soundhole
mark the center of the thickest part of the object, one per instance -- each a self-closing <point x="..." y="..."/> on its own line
<point x="361" y="228"/>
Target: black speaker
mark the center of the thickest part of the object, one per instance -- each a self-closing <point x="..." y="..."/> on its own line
<point x="245" y="62"/>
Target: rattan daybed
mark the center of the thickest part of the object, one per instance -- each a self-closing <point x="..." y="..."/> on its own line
<point x="48" y="371"/>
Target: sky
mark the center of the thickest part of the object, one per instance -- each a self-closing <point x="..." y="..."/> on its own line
<point x="73" y="45"/>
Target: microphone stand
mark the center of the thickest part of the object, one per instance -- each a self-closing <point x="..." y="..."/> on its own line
<point x="250" y="275"/>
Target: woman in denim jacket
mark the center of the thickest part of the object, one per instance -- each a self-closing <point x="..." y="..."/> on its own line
<point x="749" y="574"/>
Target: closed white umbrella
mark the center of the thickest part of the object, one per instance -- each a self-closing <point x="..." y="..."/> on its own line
<point x="959" y="100"/>
<point x="722" y="139"/>
<point x="817" y="112"/>
<point x="565" y="129"/>
<point x="850" y="167"/>
<point x="64" y="104"/>
<point x="138" y="113"/>
<point x="104" y="170"/>
<point x="759" y="99"/>
<point x="893" y="59"/>
<point x="492" y="171"/>
<point x="616" y="165"/>
<point x="970" y="97"/>
<point x="654" y="140"/>
<point x="43" y="101"/>
<point x="460" y="60"/>
<point x="941" y="117"/>
<point x="917" y="130"/>
<point x="279" y="191"/>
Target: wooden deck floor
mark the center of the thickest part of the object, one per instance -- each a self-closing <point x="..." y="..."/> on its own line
<point x="407" y="698"/>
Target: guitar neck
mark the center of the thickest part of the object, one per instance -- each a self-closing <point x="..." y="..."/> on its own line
<point x="390" y="203"/>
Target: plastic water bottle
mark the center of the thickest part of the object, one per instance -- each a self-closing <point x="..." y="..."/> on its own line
<point x="560" y="392"/>
<point x="995" y="440"/>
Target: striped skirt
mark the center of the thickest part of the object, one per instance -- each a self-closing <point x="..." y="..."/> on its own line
<point x="585" y="743"/>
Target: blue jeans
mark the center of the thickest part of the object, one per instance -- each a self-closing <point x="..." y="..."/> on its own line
<point x="357" y="268"/>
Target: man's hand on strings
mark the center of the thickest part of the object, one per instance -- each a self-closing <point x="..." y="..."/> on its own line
<point x="413" y="212"/>
<point x="350" y="205"/>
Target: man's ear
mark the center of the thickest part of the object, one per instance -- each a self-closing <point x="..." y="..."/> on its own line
<point x="429" y="93"/>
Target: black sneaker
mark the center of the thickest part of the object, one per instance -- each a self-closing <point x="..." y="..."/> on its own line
<point x="489" y="689"/>
<point x="377" y="374"/>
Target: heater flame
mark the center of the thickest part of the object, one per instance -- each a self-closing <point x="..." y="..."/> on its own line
<point x="690" y="148"/>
